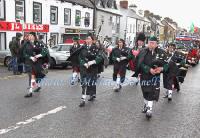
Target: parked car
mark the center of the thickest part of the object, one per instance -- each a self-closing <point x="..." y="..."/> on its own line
<point x="59" y="55"/>
<point x="5" y="57"/>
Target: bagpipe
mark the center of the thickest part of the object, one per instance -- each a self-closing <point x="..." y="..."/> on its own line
<point x="124" y="53"/>
<point x="105" y="58"/>
<point x="160" y="59"/>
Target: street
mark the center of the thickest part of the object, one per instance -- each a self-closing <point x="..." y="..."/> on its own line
<point x="54" y="112"/>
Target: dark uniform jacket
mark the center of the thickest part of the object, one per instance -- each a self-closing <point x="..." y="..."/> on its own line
<point x="88" y="54"/>
<point x="120" y="67"/>
<point x="74" y="59"/>
<point x="31" y="50"/>
<point x="150" y="84"/>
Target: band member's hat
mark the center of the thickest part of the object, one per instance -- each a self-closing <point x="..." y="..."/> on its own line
<point x="153" y="38"/>
<point x="141" y="37"/>
<point x="75" y="38"/>
<point x="33" y="33"/>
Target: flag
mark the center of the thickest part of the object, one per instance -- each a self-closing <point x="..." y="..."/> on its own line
<point x="192" y="28"/>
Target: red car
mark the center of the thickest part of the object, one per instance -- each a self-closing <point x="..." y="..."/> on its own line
<point x="193" y="56"/>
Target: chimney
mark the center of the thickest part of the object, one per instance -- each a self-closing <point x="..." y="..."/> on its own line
<point x="124" y="4"/>
<point x="133" y="7"/>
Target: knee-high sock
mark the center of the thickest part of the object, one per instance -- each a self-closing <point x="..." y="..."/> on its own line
<point x="74" y="75"/>
<point x="118" y="80"/>
<point x="170" y="91"/>
<point x="83" y="97"/>
<point x="150" y="104"/>
<point x="33" y="83"/>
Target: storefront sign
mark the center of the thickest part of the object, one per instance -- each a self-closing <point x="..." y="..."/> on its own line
<point x="72" y="30"/>
<point x="77" y="31"/>
<point x="13" y="26"/>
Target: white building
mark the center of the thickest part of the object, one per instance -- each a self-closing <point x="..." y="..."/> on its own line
<point x="54" y="19"/>
<point x="128" y="25"/>
<point x="131" y="23"/>
<point x="107" y="20"/>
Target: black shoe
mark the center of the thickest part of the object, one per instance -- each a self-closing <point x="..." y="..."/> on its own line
<point x="120" y="87"/>
<point x="82" y="104"/>
<point x="116" y="90"/>
<point x="144" y="110"/>
<point x="170" y="97"/>
<point x="28" y="95"/>
<point x="37" y="89"/>
<point x="72" y="83"/>
<point x="148" y="113"/>
<point x="92" y="98"/>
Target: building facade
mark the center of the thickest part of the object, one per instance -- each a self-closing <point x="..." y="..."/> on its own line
<point x="58" y="21"/>
<point x="107" y="20"/>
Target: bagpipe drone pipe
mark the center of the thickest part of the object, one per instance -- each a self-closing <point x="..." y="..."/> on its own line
<point x="160" y="60"/>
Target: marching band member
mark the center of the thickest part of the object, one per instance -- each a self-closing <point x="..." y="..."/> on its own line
<point x="34" y="53"/>
<point x="75" y="60"/>
<point x="121" y="56"/>
<point x="150" y="64"/>
<point x="89" y="59"/>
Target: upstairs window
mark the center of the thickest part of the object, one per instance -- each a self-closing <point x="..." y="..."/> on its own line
<point x="19" y="9"/>
<point x="54" y="15"/>
<point x="37" y="12"/>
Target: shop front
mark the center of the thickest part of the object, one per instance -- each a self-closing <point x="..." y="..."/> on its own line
<point x="9" y="30"/>
<point x="70" y="33"/>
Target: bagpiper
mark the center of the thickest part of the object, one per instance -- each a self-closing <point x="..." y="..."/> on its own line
<point x="34" y="54"/>
<point x="151" y="62"/>
<point x="75" y="61"/>
<point x="170" y="75"/>
<point x="89" y="59"/>
<point x="121" y="56"/>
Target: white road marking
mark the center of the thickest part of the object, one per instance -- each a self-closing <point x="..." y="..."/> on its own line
<point x="33" y="119"/>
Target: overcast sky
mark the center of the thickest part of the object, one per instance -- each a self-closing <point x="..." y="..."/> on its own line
<point x="184" y="12"/>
